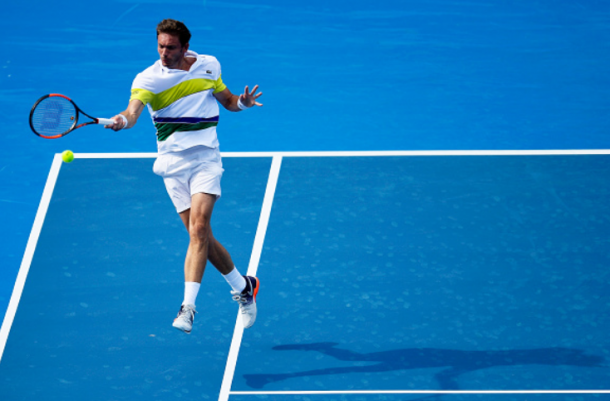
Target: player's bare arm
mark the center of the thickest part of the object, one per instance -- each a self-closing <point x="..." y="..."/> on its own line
<point x="134" y="109"/>
<point x="230" y="101"/>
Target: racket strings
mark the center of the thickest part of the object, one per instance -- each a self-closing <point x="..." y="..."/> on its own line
<point x="53" y="116"/>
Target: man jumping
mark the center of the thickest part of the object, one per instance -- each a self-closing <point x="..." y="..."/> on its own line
<point x="182" y="91"/>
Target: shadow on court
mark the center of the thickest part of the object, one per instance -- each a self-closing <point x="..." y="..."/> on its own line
<point x="455" y="362"/>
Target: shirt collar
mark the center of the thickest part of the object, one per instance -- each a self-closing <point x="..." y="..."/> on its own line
<point x="189" y="53"/>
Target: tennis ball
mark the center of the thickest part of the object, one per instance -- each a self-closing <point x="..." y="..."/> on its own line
<point x="67" y="156"/>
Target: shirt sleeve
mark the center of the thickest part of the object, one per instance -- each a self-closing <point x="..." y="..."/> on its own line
<point x="142" y="95"/>
<point x="138" y="91"/>
<point x="220" y="86"/>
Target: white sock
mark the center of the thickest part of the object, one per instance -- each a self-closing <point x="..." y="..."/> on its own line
<point x="235" y="280"/>
<point x="191" y="289"/>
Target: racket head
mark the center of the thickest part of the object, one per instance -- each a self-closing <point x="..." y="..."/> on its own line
<point x="53" y="116"/>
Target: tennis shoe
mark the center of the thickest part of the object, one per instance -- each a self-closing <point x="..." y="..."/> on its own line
<point x="184" y="320"/>
<point x="247" y="301"/>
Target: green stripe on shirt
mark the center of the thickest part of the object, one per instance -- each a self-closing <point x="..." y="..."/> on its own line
<point x="164" y="130"/>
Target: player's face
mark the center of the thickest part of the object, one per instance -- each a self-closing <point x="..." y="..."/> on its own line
<point x="170" y="50"/>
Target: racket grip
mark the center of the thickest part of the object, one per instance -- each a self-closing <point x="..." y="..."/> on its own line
<point x="105" y="121"/>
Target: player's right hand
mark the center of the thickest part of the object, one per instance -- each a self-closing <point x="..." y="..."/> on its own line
<point x="118" y="123"/>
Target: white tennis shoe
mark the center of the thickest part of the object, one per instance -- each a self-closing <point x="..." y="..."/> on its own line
<point x="184" y="320"/>
<point x="247" y="301"/>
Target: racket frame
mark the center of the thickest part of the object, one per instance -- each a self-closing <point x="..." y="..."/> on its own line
<point x="74" y="126"/>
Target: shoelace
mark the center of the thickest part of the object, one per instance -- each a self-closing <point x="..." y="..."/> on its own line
<point x="239" y="298"/>
<point x="190" y="312"/>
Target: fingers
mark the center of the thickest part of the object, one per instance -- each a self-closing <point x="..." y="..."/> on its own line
<point x="247" y="91"/>
<point x="117" y="125"/>
<point x="111" y="126"/>
<point x="249" y="98"/>
<point x="256" y="97"/>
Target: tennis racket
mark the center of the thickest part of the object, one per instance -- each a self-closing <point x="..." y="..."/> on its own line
<point x="55" y="115"/>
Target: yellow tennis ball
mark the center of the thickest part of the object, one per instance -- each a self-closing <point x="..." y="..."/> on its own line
<point x="67" y="156"/>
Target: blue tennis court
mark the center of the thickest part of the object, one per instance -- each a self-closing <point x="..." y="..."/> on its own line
<point x="423" y="196"/>
<point x="384" y="277"/>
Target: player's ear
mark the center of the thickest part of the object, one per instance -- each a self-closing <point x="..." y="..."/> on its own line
<point x="186" y="48"/>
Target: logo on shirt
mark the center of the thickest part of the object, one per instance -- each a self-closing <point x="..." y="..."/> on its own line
<point x="208" y="72"/>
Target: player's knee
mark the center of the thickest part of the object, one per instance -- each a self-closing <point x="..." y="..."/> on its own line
<point x="200" y="231"/>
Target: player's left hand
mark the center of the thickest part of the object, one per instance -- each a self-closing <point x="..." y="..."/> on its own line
<point x="249" y="98"/>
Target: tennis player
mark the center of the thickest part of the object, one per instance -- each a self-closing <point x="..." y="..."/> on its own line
<point x="182" y="91"/>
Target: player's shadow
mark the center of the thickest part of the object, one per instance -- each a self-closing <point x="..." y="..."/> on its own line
<point x="452" y="363"/>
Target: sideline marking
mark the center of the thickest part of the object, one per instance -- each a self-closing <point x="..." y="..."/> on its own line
<point x="257" y="249"/>
<point x="29" y="252"/>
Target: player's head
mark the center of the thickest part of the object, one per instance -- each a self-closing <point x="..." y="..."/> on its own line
<point x="172" y="42"/>
<point x="175" y="28"/>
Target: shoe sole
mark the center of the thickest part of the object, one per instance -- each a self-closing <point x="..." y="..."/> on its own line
<point x="181" y="329"/>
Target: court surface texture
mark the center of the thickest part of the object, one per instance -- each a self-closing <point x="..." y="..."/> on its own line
<point x="384" y="275"/>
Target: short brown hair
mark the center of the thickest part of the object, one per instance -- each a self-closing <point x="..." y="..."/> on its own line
<point x="176" y="28"/>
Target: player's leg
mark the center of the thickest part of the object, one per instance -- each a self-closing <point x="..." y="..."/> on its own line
<point x="199" y="231"/>
<point x="204" y="174"/>
<point x="197" y="222"/>
<point x="221" y="259"/>
<point x="217" y="254"/>
<point x="245" y="288"/>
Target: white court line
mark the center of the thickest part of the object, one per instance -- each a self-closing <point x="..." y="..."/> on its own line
<point x="369" y="153"/>
<point x="257" y="249"/>
<point x="420" y="392"/>
<point x="29" y="252"/>
<point x="114" y="155"/>
<point x="423" y="153"/>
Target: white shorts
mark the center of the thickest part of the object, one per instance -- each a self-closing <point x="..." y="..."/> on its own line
<point x="189" y="172"/>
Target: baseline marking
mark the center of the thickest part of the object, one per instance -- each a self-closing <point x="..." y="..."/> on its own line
<point x="421" y="392"/>
<point x="257" y="249"/>
<point x="541" y="152"/>
<point x="29" y="252"/>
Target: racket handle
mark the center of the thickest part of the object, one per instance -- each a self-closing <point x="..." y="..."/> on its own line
<point x="105" y="121"/>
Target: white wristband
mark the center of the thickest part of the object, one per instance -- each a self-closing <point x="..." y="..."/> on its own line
<point x="126" y="123"/>
<point x="241" y="105"/>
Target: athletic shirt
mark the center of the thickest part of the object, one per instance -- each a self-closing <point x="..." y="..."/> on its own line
<point x="181" y="103"/>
